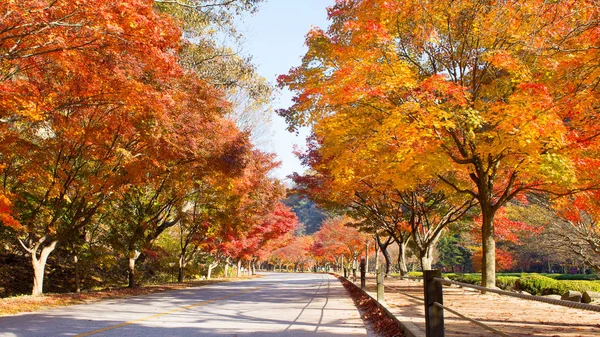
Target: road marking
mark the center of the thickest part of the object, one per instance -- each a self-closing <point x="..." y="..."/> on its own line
<point x="112" y="327"/>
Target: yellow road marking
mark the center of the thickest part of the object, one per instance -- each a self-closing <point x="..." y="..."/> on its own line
<point x="165" y="313"/>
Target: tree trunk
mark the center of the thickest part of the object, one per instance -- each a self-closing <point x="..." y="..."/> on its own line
<point x="367" y="257"/>
<point x="226" y="269"/>
<point x="181" y="269"/>
<point x="239" y="268"/>
<point x="77" y="274"/>
<point x="488" y="263"/>
<point x="402" y="258"/>
<point x="211" y="266"/>
<point x="39" y="266"/>
<point x="253" y="267"/>
<point x="132" y="258"/>
<point x="426" y="259"/>
<point x="250" y="268"/>
<point x="180" y="274"/>
<point x="376" y="258"/>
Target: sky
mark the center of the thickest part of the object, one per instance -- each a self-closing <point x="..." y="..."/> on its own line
<point x="275" y="39"/>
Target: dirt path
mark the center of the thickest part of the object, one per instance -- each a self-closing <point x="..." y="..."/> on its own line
<point x="513" y="316"/>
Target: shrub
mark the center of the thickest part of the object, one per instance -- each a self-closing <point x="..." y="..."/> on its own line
<point x="543" y="285"/>
<point x="540" y="285"/>
<point x="573" y="277"/>
<point x="507" y="282"/>
<point x="466" y="278"/>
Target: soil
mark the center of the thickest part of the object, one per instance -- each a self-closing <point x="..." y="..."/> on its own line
<point x="513" y="316"/>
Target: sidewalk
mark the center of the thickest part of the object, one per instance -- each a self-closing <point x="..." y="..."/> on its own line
<point x="514" y="316"/>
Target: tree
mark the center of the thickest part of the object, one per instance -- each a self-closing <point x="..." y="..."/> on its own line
<point x="452" y="90"/>
<point x="338" y="237"/>
<point x="68" y="75"/>
<point x="211" y="49"/>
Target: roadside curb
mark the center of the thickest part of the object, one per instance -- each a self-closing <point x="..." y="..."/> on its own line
<point x="409" y="328"/>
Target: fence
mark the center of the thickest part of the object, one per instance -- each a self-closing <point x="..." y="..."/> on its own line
<point x="434" y="300"/>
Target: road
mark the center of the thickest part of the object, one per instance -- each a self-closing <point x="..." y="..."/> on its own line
<point x="273" y="305"/>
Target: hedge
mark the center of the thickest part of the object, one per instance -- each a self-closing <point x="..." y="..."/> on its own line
<point x="543" y="285"/>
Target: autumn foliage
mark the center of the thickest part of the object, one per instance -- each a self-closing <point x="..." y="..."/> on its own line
<point x="493" y="99"/>
<point x="105" y="134"/>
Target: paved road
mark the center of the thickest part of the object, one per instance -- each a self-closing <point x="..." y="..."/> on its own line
<point x="274" y="305"/>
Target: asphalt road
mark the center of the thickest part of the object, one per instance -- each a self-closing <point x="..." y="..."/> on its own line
<point x="274" y="305"/>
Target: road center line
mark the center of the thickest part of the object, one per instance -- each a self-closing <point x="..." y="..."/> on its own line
<point x="165" y="313"/>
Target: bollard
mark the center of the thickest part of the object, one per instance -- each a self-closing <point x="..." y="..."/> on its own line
<point x="354" y="274"/>
<point x="363" y="274"/>
<point x="434" y="316"/>
<point x="380" y="277"/>
<point x="345" y="272"/>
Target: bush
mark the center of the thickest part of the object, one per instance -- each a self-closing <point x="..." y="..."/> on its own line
<point x="507" y="282"/>
<point x="543" y="285"/>
<point x="466" y="278"/>
<point x="573" y="277"/>
<point x="502" y="282"/>
<point x="540" y="285"/>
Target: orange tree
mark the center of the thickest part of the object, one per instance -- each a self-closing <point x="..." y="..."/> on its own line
<point x="495" y="99"/>
<point x="337" y="237"/>
<point x="80" y="86"/>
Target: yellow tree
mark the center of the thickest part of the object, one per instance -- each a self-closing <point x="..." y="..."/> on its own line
<point x="493" y="98"/>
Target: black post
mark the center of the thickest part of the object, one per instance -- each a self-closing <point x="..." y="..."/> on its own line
<point x="345" y="272"/>
<point x="434" y="316"/>
<point x="363" y="274"/>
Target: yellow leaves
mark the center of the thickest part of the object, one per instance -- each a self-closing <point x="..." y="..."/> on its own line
<point x="557" y="168"/>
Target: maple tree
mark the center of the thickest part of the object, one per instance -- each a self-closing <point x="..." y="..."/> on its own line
<point x="495" y="99"/>
<point x="296" y="254"/>
<point x="67" y="73"/>
<point x="337" y="237"/>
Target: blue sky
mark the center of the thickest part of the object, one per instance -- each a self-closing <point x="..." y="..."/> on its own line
<point x="275" y="39"/>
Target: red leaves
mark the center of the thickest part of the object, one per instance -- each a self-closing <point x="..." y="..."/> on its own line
<point x="504" y="260"/>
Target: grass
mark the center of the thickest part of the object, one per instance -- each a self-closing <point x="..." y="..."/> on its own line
<point x="28" y="303"/>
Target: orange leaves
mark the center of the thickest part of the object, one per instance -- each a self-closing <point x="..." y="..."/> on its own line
<point x="5" y="214"/>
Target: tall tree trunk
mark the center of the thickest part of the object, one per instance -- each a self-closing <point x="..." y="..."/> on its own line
<point x="367" y="256"/>
<point x="402" y="258"/>
<point x="388" y="260"/>
<point x="226" y="269"/>
<point x="488" y="263"/>
<point x="181" y="269"/>
<point x="77" y="274"/>
<point x="253" y="267"/>
<point x="133" y="256"/>
<point x="239" y="268"/>
<point x="377" y="257"/>
<point x="250" y="268"/>
<point x="386" y="255"/>
<point x="39" y="266"/>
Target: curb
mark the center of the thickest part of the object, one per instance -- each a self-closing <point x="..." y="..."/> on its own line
<point x="409" y="328"/>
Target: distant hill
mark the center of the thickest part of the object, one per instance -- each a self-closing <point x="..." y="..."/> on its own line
<point x="308" y="213"/>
